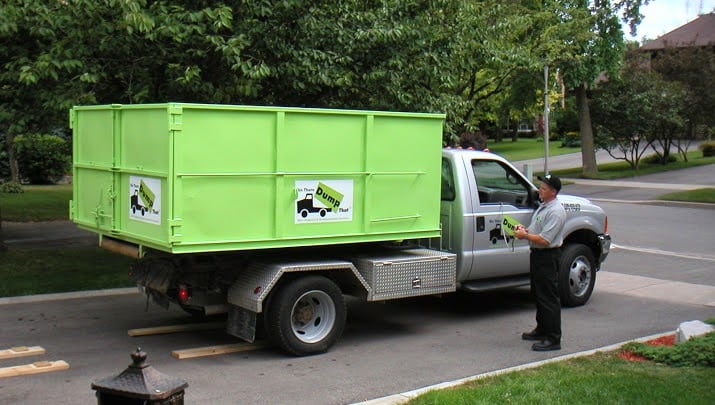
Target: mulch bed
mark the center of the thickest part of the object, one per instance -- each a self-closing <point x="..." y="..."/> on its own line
<point x="667" y="340"/>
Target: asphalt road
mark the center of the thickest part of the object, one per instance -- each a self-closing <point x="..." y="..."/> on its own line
<point x="662" y="273"/>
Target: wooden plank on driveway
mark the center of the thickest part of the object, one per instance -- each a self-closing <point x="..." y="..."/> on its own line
<point x="188" y="327"/>
<point x="34" y="368"/>
<point x="216" y="350"/>
<point x="21" y="351"/>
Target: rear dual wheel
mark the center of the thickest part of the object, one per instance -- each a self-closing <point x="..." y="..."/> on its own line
<point x="306" y="315"/>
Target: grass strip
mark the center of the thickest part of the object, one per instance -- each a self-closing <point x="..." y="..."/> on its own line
<point x="703" y="195"/>
<point x="43" y="271"/>
<point x="37" y="203"/>
<point x="602" y="378"/>
<point x="528" y="148"/>
<point x="621" y="170"/>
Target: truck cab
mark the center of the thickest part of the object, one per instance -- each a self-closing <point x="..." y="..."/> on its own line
<point x="478" y="190"/>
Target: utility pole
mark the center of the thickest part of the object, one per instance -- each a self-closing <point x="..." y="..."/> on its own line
<point x="546" y="119"/>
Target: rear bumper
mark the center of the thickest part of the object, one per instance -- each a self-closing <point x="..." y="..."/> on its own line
<point x="605" y="241"/>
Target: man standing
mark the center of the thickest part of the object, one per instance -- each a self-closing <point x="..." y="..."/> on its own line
<point x="545" y="236"/>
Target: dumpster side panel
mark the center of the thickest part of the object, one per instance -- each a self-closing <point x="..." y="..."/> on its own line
<point x="403" y="193"/>
<point x="225" y="160"/>
<point x="197" y="178"/>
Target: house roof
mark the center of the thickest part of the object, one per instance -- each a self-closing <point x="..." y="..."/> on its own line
<point x="699" y="32"/>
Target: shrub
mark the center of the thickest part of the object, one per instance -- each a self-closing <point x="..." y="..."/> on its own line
<point x="708" y="148"/>
<point x="572" y="139"/>
<point x="698" y="351"/>
<point x="11" y="187"/>
<point x="42" y="159"/>
<point x="657" y="159"/>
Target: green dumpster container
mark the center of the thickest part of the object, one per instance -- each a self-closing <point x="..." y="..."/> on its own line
<point x="186" y="178"/>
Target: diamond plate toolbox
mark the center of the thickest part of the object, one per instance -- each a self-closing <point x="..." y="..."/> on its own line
<point x="408" y="273"/>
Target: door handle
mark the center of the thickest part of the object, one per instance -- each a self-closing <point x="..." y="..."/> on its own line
<point x="480" y="224"/>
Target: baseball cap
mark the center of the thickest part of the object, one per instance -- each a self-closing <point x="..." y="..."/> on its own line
<point x="553" y="181"/>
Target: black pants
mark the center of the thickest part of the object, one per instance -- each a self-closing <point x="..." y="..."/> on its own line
<point x="545" y="289"/>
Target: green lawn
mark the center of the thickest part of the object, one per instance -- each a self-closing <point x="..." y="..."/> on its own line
<point x="527" y="148"/>
<point x="619" y="170"/>
<point x="37" y="203"/>
<point x="703" y="195"/>
<point x="41" y="271"/>
<point x="598" y="379"/>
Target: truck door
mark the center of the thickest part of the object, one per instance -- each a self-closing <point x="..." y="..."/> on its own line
<point x="501" y="191"/>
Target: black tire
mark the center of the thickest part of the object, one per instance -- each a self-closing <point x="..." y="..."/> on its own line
<point x="321" y="305"/>
<point x="577" y="274"/>
<point x="304" y="213"/>
<point x="323" y="212"/>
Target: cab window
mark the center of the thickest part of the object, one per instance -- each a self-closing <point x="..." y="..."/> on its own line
<point x="499" y="184"/>
<point x="447" y="181"/>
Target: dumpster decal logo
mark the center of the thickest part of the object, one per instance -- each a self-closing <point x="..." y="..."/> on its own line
<point x="145" y="199"/>
<point x="323" y="201"/>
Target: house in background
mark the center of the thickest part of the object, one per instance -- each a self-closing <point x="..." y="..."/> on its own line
<point x="697" y="33"/>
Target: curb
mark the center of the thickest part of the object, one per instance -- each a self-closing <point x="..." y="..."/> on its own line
<point x="409" y="395"/>
<point x="25" y="299"/>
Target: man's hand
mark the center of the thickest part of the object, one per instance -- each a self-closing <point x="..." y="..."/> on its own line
<point x="520" y="231"/>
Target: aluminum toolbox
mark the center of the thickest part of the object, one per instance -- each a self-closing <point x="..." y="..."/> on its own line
<point x="408" y="273"/>
<point x="187" y="178"/>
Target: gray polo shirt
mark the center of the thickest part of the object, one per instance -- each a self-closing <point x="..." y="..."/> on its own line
<point x="548" y="221"/>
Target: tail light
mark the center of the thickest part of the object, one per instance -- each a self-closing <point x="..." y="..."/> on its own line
<point x="184" y="293"/>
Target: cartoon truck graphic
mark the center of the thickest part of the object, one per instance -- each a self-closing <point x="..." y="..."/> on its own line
<point x="305" y="206"/>
<point x="496" y="234"/>
<point x="136" y="205"/>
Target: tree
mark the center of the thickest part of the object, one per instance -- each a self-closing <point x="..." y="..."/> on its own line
<point x="694" y="69"/>
<point x="636" y="111"/>
<point x="599" y="49"/>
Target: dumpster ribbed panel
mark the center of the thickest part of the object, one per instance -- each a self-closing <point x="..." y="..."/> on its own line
<point x="196" y="178"/>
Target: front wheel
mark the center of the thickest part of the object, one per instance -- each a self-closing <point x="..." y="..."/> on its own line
<point x="306" y="316"/>
<point x="577" y="274"/>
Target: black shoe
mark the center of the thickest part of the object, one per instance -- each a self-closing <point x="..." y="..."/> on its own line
<point x="546" y="345"/>
<point x="533" y="335"/>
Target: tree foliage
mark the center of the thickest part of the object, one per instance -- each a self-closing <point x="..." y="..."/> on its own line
<point x="694" y="68"/>
<point x="638" y="110"/>
<point x="425" y="55"/>
<point x="43" y="159"/>
<point x="471" y="59"/>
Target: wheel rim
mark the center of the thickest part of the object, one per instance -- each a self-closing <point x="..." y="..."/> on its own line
<point x="313" y="316"/>
<point x="580" y="276"/>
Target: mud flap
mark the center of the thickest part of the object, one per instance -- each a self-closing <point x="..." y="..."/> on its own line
<point x="241" y="323"/>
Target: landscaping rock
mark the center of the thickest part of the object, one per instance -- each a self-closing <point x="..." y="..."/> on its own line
<point x="689" y="329"/>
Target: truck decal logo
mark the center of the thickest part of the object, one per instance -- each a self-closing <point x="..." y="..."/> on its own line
<point x="145" y="199"/>
<point x="503" y="230"/>
<point x="323" y="201"/>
